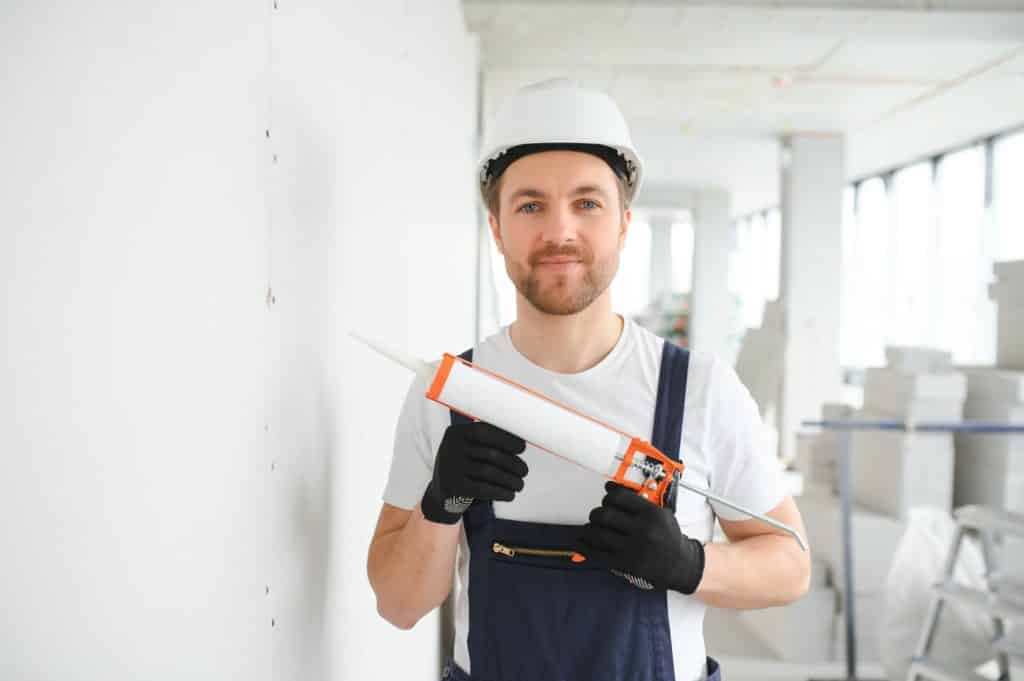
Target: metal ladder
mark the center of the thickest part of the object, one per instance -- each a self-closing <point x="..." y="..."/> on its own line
<point x="1003" y="600"/>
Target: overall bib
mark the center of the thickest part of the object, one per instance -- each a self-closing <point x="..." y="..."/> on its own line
<point x="534" y="615"/>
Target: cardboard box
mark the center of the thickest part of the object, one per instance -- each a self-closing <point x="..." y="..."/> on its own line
<point x="1010" y="335"/>
<point x="990" y="467"/>
<point x="894" y="471"/>
<point x="986" y="384"/>
<point x="915" y="396"/>
<point x="816" y="461"/>
<point x="908" y="386"/>
<point x="834" y="411"/>
<point x="1007" y="293"/>
<point x="1012" y="270"/>
<point x="918" y="360"/>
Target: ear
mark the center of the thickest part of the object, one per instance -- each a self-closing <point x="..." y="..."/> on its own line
<point x="627" y="217"/>
<point x="496" y="232"/>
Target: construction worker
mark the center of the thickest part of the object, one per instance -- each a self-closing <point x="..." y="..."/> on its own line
<point x="558" y="174"/>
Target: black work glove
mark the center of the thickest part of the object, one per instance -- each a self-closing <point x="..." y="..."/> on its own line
<point x="642" y="542"/>
<point x="475" y="461"/>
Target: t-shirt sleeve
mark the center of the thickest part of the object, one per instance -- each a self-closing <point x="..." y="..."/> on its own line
<point x="744" y="468"/>
<point x="412" y="461"/>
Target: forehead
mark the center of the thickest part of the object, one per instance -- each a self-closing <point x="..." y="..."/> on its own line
<point x="557" y="171"/>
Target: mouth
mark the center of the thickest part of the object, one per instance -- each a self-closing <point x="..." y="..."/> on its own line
<point x="558" y="265"/>
<point x="559" y="261"/>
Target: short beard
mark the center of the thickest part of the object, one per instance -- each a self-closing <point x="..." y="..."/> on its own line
<point x="557" y="299"/>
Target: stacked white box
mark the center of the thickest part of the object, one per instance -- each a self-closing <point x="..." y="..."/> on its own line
<point x="816" y="461"/>
<point x="804" y="460"/>
<point x="894" y="471"/>
<point x="820" y="452"/>
<point x="994" y="385"/>
<point x="1008" y="294"/>
<point x="915" y="396"/>
<point x="918" y="360"/>
<point x="990" y="467"/>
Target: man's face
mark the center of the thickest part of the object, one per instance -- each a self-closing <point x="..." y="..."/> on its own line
<point x="561" y="229"/>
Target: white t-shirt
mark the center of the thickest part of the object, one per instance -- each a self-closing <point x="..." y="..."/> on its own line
<point x="724" y="448"/>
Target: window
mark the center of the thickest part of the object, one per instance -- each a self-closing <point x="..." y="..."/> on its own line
<point x="1008" y="180"/>
<point x="910" y="298"/>
<point x="848" y="295"/>
<point x="965" y="324"/>
<point x="632" y="285"/>
<point x="754" y="266"/>
<point x="682" y="256"/>
<point x="868" y="269"/>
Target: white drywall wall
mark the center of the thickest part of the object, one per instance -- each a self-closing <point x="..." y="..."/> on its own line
<point x="184" y="460"/>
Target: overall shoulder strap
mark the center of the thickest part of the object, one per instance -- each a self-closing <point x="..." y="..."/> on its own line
<point x="668" y="410"/>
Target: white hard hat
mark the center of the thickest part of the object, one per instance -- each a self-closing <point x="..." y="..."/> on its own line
<point x="562" y="114"/>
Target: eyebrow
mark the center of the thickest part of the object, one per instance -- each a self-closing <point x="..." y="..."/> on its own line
<point x="528" y="192"/>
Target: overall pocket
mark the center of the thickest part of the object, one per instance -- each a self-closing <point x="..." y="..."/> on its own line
<point x="548" y="617"/>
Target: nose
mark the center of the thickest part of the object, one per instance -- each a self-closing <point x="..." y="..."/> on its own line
<point x="559" y="226"/>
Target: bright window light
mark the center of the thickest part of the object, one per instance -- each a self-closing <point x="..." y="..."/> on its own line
<point x="966" y="320"/>
<point x="910" y="300"/>
<point x="682" y="256"/>
<point x="869" y="269"/>
<point x="632" y="285"/>
<point x="1008" y="180"/>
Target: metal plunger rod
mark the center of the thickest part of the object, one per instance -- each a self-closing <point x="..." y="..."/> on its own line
<point x="736" y="507"/>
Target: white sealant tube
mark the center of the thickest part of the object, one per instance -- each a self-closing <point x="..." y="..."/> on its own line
<point x="542" y="422"/>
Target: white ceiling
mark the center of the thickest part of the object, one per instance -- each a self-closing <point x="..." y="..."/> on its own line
<point x="709" y="87"/>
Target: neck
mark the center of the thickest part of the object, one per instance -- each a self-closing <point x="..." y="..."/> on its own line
<point x="566" y="344"/>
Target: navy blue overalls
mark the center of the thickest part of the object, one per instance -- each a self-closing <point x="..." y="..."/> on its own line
<point x="540" y="617"/>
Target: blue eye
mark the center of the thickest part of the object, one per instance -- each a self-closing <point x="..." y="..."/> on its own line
<point x="523" y="208"/>
<point x="593" y="204"/>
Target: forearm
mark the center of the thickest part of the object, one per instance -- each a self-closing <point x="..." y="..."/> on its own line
<point x="757" y="572"/>
<point x="411" y="569"/>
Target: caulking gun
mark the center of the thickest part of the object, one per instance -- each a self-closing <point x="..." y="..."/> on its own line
<point x="484" y="395"/>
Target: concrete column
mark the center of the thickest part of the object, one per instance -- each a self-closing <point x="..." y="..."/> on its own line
<point x="661" y="255"/>
<point x="813" y="177"/>
<point x="711" y="313"/>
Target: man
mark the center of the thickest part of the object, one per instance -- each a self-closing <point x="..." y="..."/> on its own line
<point x="558" y="175"/>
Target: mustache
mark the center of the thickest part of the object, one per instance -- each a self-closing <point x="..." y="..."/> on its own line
<point x="560" y="252"/>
